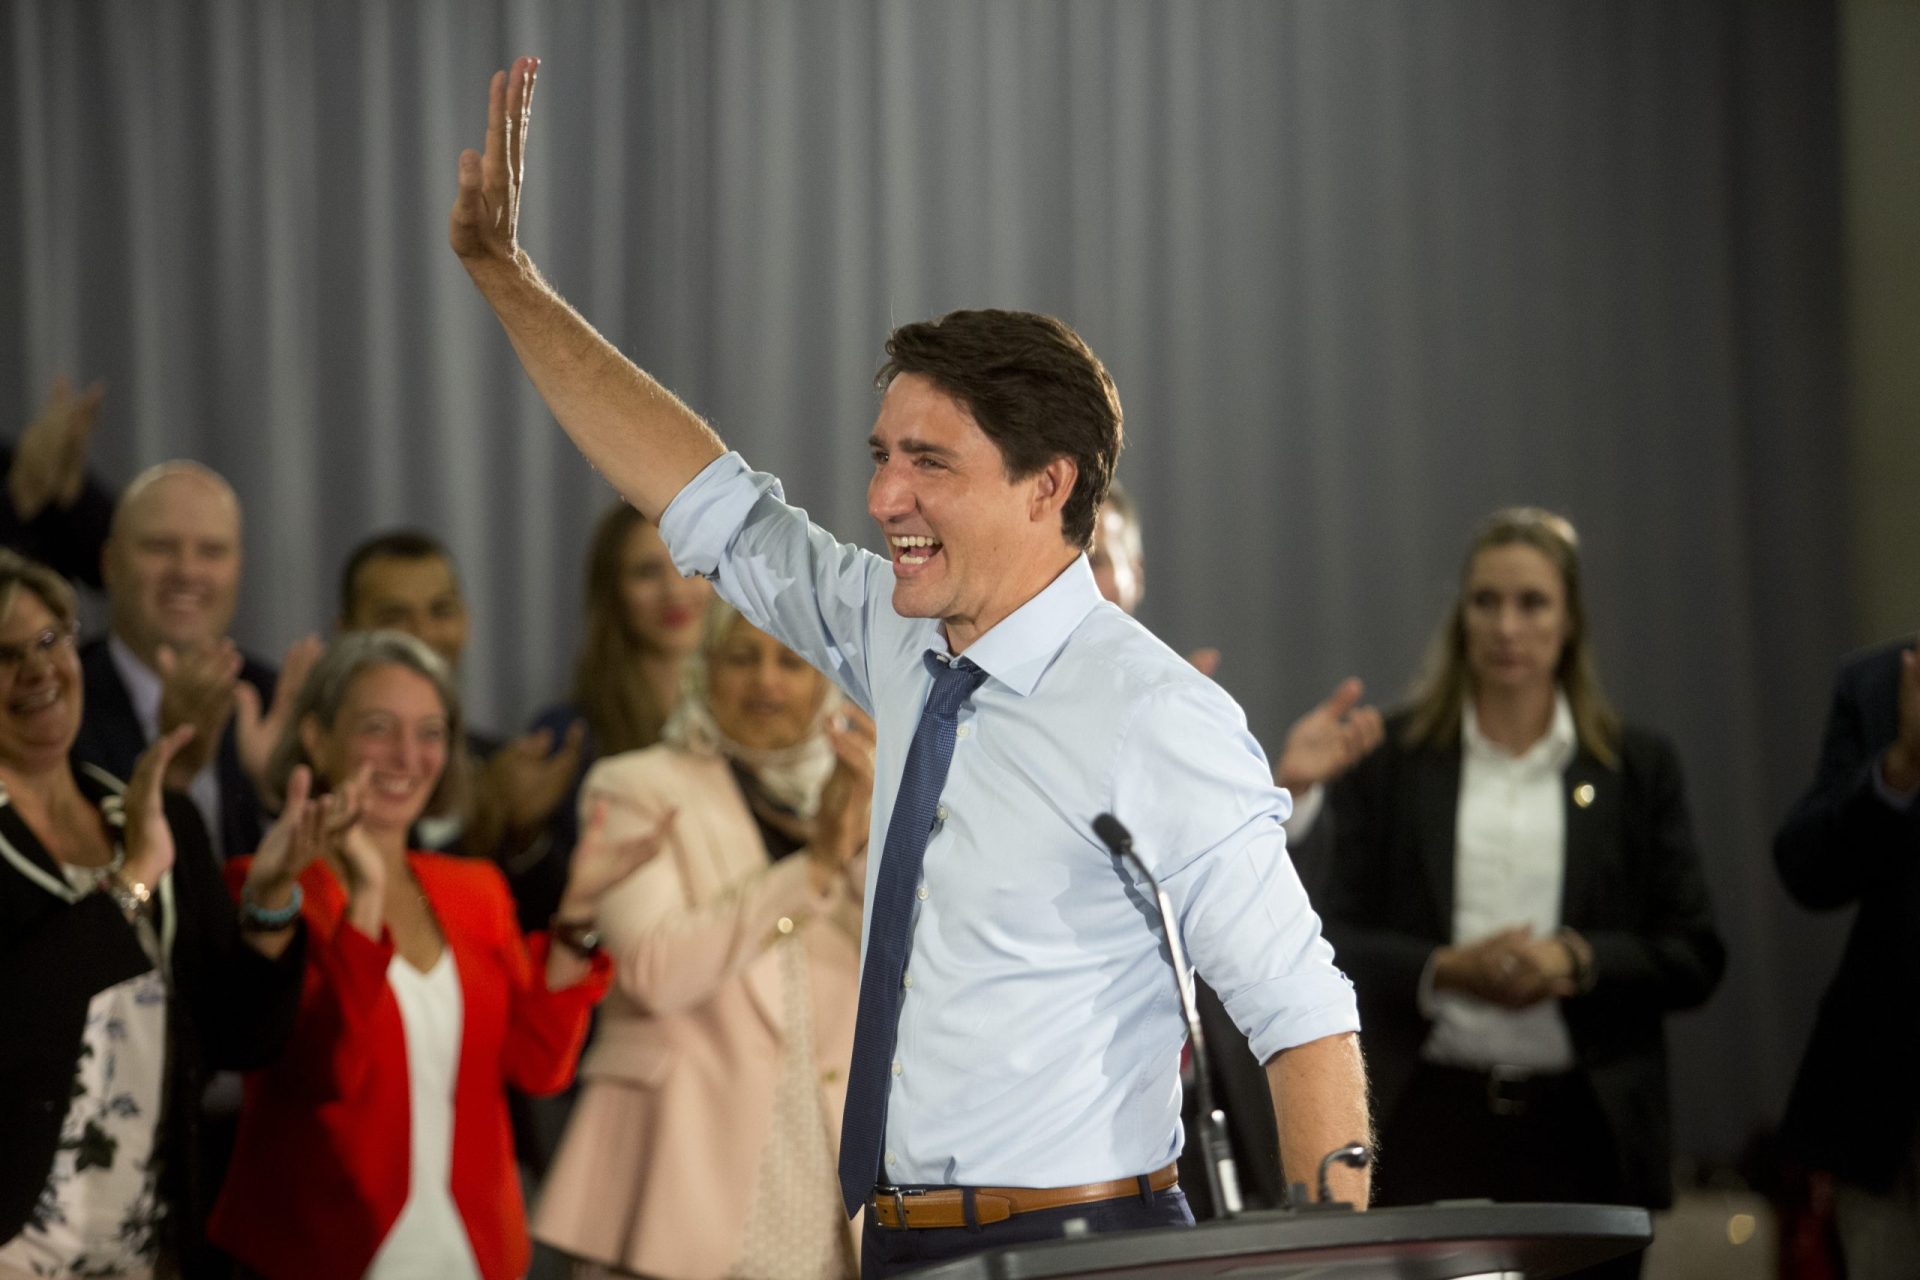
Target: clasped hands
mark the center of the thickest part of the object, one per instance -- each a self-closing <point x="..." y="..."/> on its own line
<point x="1513" y="968"/>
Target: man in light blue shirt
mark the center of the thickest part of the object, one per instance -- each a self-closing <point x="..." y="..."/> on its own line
<point x="1033" y="1072"/>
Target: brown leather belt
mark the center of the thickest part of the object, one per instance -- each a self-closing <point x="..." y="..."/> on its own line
<point x="897" y="1207"/>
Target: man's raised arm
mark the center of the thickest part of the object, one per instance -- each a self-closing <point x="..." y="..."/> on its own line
<point x="635" y="431"/>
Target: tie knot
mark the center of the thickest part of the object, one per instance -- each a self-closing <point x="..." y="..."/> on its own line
<point x="953" y="683"/>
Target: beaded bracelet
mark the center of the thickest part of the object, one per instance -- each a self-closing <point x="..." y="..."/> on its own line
<point x="255" y="918"/>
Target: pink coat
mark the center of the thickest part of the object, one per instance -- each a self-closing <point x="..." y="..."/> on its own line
<point x="664" y="1149"/>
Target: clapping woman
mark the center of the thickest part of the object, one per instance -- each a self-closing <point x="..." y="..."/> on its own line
<point x="126" y="974"/>
<point x="378" y="1145"/>
<point x="705" y="1138"/>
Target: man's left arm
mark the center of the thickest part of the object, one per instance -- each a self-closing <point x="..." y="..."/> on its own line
<point x="1320" y="1105"/>
<point x="1212" y="832"/>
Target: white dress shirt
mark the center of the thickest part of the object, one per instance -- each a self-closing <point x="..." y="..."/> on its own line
<point x="1040" y="1029"/>
<point x="1509" y="862"/>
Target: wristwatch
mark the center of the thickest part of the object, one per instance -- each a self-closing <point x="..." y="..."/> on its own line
<point x="581" y="937"/>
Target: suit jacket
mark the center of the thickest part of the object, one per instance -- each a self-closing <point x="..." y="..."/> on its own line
<point x="1854" y="1106"/>
<point x="321" y="1169"/>
<point x="678" y="1089"/>
<point x="111" y="737"/>
<point x="232" y="1008"/>
<point x="1632" y="887"/>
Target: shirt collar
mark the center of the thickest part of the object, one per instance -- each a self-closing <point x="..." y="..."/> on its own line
<point x="1553" y="751"/>
<point x="1018" y="649"/>
<point x="142" y="682"/>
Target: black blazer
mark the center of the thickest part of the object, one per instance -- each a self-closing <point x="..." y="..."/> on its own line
<point x="1855" y="1103"/>
<point x="231" y="1009"/>
<point x="1632" y="887"/>
<point x="110" y="737"/>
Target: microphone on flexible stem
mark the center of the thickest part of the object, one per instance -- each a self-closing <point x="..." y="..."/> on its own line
<point x="1222" y="1178"/>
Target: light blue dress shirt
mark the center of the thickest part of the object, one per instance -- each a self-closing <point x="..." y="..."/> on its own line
<point x="1040" y="1032"/>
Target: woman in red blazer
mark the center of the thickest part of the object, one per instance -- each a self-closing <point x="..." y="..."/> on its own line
<point x="378" y="1145"/>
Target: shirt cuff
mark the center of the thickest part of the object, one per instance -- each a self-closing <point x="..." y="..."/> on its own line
<point x="1897" y="799"/>
<point x="1307" y="804"/>
<point x="701" y="521"/>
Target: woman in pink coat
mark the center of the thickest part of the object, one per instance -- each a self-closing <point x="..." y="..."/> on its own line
<point x="706" y="1136"/>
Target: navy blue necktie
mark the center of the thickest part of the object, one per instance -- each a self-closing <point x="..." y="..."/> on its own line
<point x="890" y="926"/>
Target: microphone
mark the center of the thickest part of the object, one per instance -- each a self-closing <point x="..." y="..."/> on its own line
<point x="1223" y="1180"/>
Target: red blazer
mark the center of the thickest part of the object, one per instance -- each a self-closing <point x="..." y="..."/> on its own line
<point x="320" y="1170"/>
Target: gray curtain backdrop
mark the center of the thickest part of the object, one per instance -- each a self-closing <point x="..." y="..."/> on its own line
<point x="1362" y="270"/>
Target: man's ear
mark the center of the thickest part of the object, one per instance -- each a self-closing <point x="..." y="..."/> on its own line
<point x="1053" y="485"/>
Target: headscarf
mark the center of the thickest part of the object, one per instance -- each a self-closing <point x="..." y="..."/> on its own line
<point x="792" y="776"/>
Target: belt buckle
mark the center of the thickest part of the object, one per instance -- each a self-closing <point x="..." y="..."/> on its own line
<point x="1504" y="1096"/>
<point x="899" y="1197"/>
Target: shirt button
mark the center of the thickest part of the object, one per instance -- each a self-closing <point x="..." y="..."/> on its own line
<point x="785" y="924"/>
<point x="888" y="1157"/>
<point x="963" y="731"/>
<point x="896" y="1068"/>
<point x="941" y="813"/>
<point x="921" y="893"/>
<point x="907" y="981"/>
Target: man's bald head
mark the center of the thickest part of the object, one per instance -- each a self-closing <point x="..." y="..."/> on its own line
<point x="172" y="559"/>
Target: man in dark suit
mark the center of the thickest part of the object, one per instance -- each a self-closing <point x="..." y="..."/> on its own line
<point x="1855" y="837"/>
<point x="171" y="567"/>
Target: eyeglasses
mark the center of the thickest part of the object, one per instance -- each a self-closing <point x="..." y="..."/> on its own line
<point x="47" y="644"/>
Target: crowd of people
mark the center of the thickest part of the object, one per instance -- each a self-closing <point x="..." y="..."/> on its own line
<point x="813" y="1058"/>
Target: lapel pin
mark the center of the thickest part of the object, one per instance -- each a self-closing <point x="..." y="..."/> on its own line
<point x="1583" y="794"/>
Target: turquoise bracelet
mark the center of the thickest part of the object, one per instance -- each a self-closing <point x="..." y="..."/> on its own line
<point x="255" y="918"/>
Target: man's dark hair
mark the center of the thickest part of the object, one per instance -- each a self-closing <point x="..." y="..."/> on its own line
<point x="1037" y="391"/>
<point x="395" y="544"/>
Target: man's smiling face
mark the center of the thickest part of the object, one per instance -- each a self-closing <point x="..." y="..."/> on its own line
<point x="969" y="545"/>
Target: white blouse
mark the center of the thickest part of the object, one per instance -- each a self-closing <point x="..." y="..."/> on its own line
<point x="1509" y="862"/>
<point x="428" y="1240"/>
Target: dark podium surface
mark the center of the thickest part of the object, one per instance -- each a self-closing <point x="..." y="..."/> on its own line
<point x="1429" y="1242"/>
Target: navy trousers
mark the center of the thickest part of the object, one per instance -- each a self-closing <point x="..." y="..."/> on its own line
<point x="893" y="1251"/>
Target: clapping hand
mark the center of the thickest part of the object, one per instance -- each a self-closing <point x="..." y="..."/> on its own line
<point x="484" y="225"/>
<point x="149" y="840"/>
<point x="846" y="802"/>
<point x="255" y="732"/>
<point x="50" y="460"/>
<point x="600" y="860"/>
<point x="1330" y="739"/>
<point x="196" y="688"/>
<point x="526" y="780"/>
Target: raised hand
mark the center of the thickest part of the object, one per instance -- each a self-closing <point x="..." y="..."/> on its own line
<point x="526" y="780"/>
<point x="296" y="838"/>
<point x="50" y="460"/>
<point x="846" y="802"/>
<point x="1330" y="739"/>
<point x="196" y="689"/>
<point x="484" y="225"/>
<point x="600" y="861"/>
<point x="256" y="732"/>
<point x="149" y="840"/>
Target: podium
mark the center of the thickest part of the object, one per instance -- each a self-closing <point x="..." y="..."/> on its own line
<point x="1442" y="1241"/>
